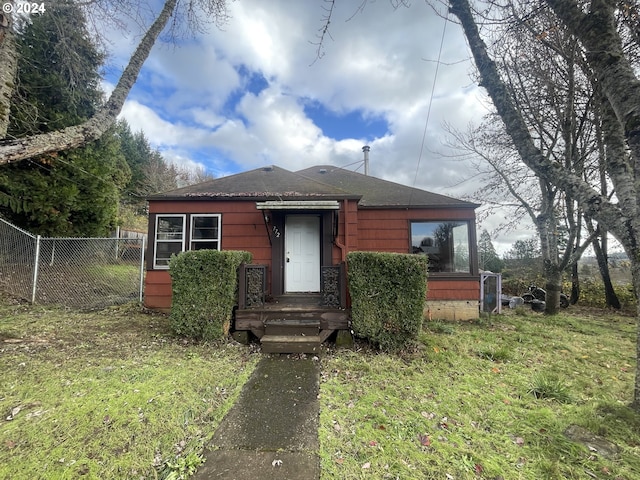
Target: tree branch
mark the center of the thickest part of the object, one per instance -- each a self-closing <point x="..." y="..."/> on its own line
<point x="77" y="135"/>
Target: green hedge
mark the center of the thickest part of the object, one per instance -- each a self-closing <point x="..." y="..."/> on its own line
<point x="388" y="292"/>
<point x="204" y="284"/>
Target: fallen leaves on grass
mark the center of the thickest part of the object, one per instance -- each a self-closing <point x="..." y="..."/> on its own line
<point x="424" y="439"/>
<point x="444" y="423"/>
<point x="14" y="411"/>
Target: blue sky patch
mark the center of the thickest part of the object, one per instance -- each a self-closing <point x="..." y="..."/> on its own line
<point x="250" y="82"/>
<point x="348" y="125"/>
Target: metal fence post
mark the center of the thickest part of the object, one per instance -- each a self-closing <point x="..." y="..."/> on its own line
<point x="36" y="263"/>
<point x="141" y="268"/>
<point x="117" y="240"/>
<point x="76" y="272"/>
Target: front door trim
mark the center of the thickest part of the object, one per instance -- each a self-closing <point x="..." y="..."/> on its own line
<point x="302" y="254"/>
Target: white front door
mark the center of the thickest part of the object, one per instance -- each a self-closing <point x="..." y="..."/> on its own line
<point x="302" y="254"/>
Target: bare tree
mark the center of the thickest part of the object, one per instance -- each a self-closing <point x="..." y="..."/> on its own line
<point x="176" y="13"/>
<point x="594" y="25"/>
<point x="540" y="65"/>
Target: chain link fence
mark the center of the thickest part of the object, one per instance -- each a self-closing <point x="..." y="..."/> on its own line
<point x="84" y="273"/>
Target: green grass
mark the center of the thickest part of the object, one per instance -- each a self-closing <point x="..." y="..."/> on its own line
<point x="118" y="277"/>
<point x="491" y="400"/>
<point x="111" y="394"/>
<point x="108" y="394"/>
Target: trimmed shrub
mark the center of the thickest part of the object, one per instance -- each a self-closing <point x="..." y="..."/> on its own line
<point x="388" y="292"/>
<point x="205" y="284"/>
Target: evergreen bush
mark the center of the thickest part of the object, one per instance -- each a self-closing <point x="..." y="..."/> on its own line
<point x="204" y="284"/>
<point x="388" y="292"/>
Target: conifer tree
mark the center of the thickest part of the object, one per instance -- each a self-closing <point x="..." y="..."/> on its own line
<point x="487" y="255"/>
<point x="72" y="193"/>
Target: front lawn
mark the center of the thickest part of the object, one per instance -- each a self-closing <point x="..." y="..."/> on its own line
<point x="113" y="394"/>
<point x="486" y="400"/>
<point x="108" y="394"/>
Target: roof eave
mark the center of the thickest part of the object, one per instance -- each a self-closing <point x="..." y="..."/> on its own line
<point x="250" y="198"/>
<point x="414" y="206"/>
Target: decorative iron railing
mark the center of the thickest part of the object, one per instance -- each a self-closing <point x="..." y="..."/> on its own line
<point x="252" y="285"/>
<point x="333" y="286"/>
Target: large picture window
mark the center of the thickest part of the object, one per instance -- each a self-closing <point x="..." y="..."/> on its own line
<point x="169" y="238"/>
<point x="205" y="232"/>
<point x="446" y="243"/>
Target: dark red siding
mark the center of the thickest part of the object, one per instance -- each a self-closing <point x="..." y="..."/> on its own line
<point x="385" y="230"/>
<point x="242" y="228"/>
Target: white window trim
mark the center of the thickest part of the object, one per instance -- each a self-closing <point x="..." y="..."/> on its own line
<point x="155" y="239"/>
<point x="204" y="240"/>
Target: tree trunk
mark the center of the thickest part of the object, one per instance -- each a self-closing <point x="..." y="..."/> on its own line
<point x="622" y="90"/>
<point x="594" y="204"/>
<point x="635" y="275"/>
<point x="603" y="266"/>
<point x="546" y="225"/>
<point x="95" y="127"/>
<point x="553" y="287"/>
<point x="617" y="78"/>
<point x="575" y="284"/>
<point x="9" y="62"/>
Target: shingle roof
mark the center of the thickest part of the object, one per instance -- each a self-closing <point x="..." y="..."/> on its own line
<point x="380" y="193"/>
<point x="319" y="182"/>
<point x="262" y="183"/>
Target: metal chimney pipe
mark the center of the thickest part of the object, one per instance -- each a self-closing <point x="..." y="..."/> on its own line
<point x="365" y="151"/>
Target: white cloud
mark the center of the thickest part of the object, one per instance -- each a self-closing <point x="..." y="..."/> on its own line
<point x="379" y="61"/>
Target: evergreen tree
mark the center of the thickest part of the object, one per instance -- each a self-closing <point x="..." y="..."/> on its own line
<point x="150" y="172"/>
<point x="137" y="153"/>
<point x="526" y="250"/>
<point x="487" y="255"/>
<point x="58" y="72"/>
<point x="74" y="193"/>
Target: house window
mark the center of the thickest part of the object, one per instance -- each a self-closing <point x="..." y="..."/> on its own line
<point x="446" y="243"/>
<point x="169" y="238"/>
<point x="205" y="232"/>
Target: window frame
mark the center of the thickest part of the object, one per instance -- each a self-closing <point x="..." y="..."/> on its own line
<point x="191" y="229"/>
<point x="159" y="216"/>
<point x="470" y="252"/>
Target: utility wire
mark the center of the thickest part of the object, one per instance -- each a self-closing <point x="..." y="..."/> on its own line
<point x="433" y="88"/>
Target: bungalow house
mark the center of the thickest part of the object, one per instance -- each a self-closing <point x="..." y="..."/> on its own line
<point x="299" y="226"/>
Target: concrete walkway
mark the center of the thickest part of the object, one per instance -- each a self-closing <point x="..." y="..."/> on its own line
<point x="272" y="430"/>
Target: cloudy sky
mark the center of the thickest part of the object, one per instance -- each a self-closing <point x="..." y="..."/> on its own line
<point x="255" y="93"/>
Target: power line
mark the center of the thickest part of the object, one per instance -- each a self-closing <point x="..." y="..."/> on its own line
<point x="433" y="88"/>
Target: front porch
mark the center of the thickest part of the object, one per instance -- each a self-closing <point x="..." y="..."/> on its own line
<point x="295" y="322"/>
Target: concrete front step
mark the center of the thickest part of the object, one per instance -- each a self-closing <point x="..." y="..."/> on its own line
<point x="290" y="344"/>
